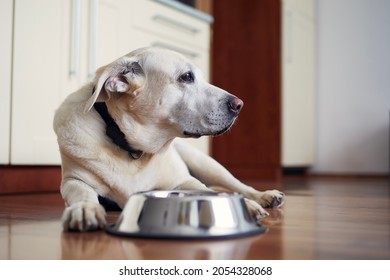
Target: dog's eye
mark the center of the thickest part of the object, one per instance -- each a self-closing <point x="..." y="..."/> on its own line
<point x="187" y="78"/>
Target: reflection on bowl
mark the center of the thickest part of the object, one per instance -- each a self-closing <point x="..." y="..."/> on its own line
<point x="185" y="214"/>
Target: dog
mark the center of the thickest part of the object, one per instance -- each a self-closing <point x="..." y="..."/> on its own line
<point x="120" y="134"/>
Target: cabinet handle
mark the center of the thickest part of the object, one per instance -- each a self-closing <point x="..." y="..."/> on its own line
<point x="172" y="22"/>
<point x="183" y="51"/>
<point x="93" y="35"/>
<point x="75" y="39"/>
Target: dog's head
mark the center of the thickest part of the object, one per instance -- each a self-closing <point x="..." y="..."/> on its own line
<point x="164" y="89"/>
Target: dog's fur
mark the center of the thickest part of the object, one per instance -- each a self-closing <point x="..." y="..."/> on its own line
<point x="154" y="96"/>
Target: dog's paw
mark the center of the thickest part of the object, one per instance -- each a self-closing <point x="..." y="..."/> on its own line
<point x="255" y="209"/>
<point x="270" y="199"/>
<point x="84" y="216"/>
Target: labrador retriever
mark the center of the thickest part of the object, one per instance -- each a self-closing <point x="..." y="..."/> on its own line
<point x="117" y="136"/>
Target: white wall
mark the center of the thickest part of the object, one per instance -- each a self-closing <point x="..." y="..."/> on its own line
<point x="353" y="101"/>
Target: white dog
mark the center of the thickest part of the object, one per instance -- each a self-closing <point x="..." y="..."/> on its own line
<point x="116" y="136"/>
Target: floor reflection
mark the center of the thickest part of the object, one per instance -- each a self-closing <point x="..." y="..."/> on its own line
<point x="104" y="246"/>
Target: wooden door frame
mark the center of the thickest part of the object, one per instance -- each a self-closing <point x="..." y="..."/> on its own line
<point x="246" y="61"/>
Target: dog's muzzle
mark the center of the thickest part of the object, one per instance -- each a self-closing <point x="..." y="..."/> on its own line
<point x="217" y="125"/>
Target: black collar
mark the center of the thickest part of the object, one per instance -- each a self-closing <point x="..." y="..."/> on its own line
<point x="113" y="131"/>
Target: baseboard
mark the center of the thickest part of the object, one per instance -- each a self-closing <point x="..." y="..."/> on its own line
<point x="29" y="179"/>
<point x="294" y="171"/>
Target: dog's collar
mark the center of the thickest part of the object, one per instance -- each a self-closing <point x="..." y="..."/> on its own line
<point x="113" y="131"/>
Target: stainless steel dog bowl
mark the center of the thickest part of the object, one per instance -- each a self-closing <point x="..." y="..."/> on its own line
<point x="186" y="215"/>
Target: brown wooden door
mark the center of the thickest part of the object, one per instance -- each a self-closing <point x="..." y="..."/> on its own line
<point x="246" y="61"/>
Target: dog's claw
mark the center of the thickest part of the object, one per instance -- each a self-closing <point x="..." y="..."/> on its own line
<point x="84" y="216"/>
<point x="255" y="209"/>
<point x="262" y="215"/>
<point x="271" y="199"/>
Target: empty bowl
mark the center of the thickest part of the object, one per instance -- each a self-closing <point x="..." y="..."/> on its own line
<point x="186" y="215"/>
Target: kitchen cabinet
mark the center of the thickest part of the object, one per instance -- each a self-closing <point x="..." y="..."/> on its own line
<point x="55" y="52"/>
<point x="41" y="77"/>
<point x="58" y="45"/>
<point x="298" y="83"/>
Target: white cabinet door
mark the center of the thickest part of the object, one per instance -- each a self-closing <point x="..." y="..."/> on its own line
<point x="41" y="61"/>
<point x="298" y="118"/>
<point x="6" y="14"/>
<point x="111" y="32"/>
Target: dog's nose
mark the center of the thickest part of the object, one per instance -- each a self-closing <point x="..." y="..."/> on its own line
<point x="235" y="105"/>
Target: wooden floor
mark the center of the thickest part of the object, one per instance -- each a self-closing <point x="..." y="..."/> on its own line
<point x="323" y="218"/>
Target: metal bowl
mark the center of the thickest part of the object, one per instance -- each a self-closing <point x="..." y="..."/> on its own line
<point x="186" y="215"/>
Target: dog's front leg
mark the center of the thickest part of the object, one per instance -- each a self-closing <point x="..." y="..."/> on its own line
<point x="212" y="173"/>
<point x="83" y="211"/>
<point x="192" y="184"/>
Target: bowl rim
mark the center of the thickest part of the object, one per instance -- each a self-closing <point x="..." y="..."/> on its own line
<point x="257" y="230"/>
<point x="184" y="194"/>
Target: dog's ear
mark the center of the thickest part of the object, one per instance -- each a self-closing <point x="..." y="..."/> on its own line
<point x="120" y="77"/>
